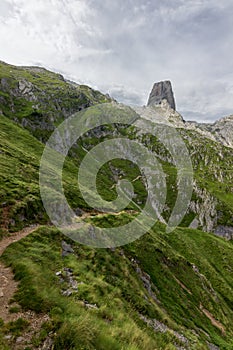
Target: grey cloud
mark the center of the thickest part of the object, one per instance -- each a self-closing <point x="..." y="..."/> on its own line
<point x="127" y="96"/>
<point x="7" y="10"/>
<point x="123" y="47"/>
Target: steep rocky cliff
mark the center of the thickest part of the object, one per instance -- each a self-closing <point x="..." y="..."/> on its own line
<point x="161" y="103"/>
<point x="162" y="91"/>
<point x="211" y="208"/>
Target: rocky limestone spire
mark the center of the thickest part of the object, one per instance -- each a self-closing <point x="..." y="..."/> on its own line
<point x="162" y="91"/>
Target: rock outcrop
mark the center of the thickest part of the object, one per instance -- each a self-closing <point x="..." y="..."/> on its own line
<point x="224" y="231"/>
<point x="162" y="91"/>
<point x="161" y="108"/>
<point x="221" y="130"/>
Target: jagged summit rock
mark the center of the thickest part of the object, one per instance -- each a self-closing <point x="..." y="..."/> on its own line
<point x="162" y="91"/>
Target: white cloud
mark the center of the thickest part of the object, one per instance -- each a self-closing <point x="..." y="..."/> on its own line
<point x="124" y="47"/>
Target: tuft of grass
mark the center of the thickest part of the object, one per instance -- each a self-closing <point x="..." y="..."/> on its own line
<point x="17" y="327"/>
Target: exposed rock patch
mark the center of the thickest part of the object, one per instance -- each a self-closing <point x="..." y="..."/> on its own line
<point x="66" y="276"/>
<point x="148" y="284"/>
<point x="224" y="231"/>
<point x="162" y="328"/>
<point x="213" y="347"/>
<point x="66" y="249"/>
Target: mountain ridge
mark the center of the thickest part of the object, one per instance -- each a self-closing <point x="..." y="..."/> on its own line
<point x="220" y="130"/>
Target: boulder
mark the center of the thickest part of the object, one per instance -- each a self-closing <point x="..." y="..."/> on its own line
<point x="66" y="249"/>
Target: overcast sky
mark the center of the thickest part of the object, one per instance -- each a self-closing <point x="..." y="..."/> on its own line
<point x="124" y="46"/>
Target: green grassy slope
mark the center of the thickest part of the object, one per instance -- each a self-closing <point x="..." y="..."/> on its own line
<point x="39" y="100"/>
<point x="190" y="276"/>
<point x="164" y="291"/>
<point x="20" y="155"/>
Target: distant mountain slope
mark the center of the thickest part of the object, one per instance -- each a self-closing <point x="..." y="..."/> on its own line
<point x="212" y="202"/>
<point x="222" y="130"/>
<point x="39" y="99"/>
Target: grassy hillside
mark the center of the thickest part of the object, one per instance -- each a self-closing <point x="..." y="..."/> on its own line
<point x="39" y="99"/>
<point x="189" y="270"/>
<point x="20" y="155"/>
<point x="187" y="298"/>
<point x="164" y="291"/>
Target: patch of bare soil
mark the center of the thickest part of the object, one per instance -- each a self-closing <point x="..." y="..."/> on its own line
<point x="212" y="319"/>
<point x="8" y="287"/>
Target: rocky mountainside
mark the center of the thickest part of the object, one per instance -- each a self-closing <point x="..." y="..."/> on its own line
<point x="205" y="145"/>
<point x="161" y="107"/>
<point x="38" y="99"/>
<point x="163" y="291"/>
<point x="161" y="103"/>
<point x="221" y="130"/>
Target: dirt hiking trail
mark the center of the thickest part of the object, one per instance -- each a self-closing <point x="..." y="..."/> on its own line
<point x="8" y="285"/>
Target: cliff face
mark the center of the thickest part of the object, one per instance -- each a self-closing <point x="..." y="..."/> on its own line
<point x="210" y="150"/>
<point x="162" y="91"/>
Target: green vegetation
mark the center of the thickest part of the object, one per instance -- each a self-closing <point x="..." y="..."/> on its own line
<point x="164" y="291"/>
<point x="108" y="280"/>
<point x="20" y="201"/>
<point x="39" y="99"/>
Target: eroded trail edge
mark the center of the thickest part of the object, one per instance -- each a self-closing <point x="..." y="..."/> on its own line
<point x="8" y="285"/>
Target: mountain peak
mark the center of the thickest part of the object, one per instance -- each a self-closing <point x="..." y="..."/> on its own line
<point x="162" y="91"/>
